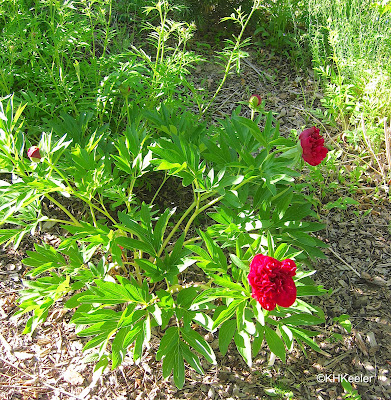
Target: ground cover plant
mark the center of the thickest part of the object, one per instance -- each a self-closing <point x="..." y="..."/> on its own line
<point x="238" y="219"/>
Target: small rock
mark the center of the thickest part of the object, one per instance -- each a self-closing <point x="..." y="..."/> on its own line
<point x="383" y="379"/>
<point x="211" y="393"/>
<point x="372" y="343"/>
<point x="209" y="337"/>
<point x="73" y="377"/>
<point x="369" y="367"/>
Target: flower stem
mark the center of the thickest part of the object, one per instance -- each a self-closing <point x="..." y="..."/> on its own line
<point x="73" y="219"/>
<point x="175" y="228"/>
<point x="157" y="192"/>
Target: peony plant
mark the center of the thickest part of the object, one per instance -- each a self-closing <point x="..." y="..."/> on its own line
<point x="235" y="219"/>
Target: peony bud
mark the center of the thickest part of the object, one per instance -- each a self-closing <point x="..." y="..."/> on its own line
<point x="34" y="154"/>
<point x="255" y="100"/>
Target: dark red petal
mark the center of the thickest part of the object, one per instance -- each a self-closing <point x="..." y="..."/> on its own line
<point x="287" y="295"/>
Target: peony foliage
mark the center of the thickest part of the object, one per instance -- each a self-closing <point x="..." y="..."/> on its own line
<point x="124" y="265"/>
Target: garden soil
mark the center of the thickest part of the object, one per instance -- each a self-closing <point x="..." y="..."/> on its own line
<point x="49" y="365"/>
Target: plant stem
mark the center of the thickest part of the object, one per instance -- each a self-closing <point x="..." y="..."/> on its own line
<point x="231" y="57"/>
<point x="60" y="221"/>
<point x="175" y="228"/>
<point x="161" y="185"/>
<point x="104" y="212"/>
<point x="73" y="219"/>
<point x="92" y="213"/>
<point x="108" y="22"/>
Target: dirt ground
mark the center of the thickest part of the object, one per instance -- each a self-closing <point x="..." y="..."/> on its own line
<point x="50" y="364"/>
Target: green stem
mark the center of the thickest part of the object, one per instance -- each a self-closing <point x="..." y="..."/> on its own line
<point x="137" y="273"/>
<point x="157" y="192"/>
<point x="72" y="218"/>
<point x="92" y="213"/>
<point x="60" y="221"/>
<point x="175" y="228"/>
<point x="231" y="58"/>
<point x="60" y="173"/>
<point x="107" y="31"/>
<point x="103" y="211"/>
<point x="198" y="211"/>
<point x="194" y="239"/>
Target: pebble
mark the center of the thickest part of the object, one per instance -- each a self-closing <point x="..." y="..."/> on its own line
<point x="369" y="367"/>
<point x="209" y="337"/>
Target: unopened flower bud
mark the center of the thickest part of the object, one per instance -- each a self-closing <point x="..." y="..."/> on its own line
<point x="255" y="100"/>
<point x="34" y="154"/>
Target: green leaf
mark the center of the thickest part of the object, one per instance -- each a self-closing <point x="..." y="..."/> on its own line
<point x="309" y="290"/>
<point x="228" y="312"/>
<point x="344" y="321"/>
<point x="302" y="335"/>
<point x="100" y="315"/>
<point x="226" y="282"/>
<point x="134" y="244"/>
<point x="239" y="263"/>
<point x="287" y="336"/>
<point x="258" y="339"/>
<point x="195" y="340"/>
<point x="204" y="320"/>
<point x="118" y="350"/>
<point x="136" y="293"/>
<point x="107" y="293"/>
<point x="302" y="319"/>
<point x="226" y="333"/>
<point x="258" y="312"/>
<point x="186" y="296"/>
<point x="275" y="343"/>
<point x="215" y="252"/>
<point x="132" y="226"/>
<point x="107" y="327"/>
<point x="254" y="130"/>
<point x="243" y="344"/>
<point x="95" y="341"/>
<point x="160" y="227"/>
<point x="168" y="342"/>
<point x="191" y="358"/>
<point x="179" y="370"/>
<point x="168" y="364"/>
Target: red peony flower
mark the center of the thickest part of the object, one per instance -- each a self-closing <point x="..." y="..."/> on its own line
<point x="313" y="146"/>
<point x="34" y="154"/>
<point x="271" y="281"/>
<point x="255" y="100"/>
